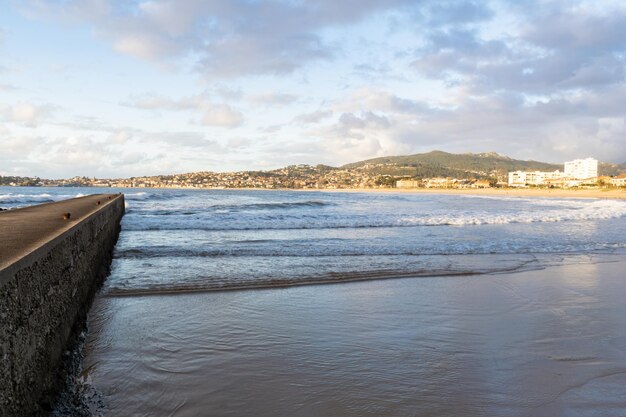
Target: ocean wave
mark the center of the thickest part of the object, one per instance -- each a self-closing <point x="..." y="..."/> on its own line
<point x="198" y="209"/>
<point x="137" y="196"/>
<point x="11" y="198"/>
<point x="170" y="212"/>
<point x="601" y="210"/>
<point x="25" y="198"/>
<point x="261" y="283"/>
<point x="271" y="206"/>
<point x="140" y="285"/>
<point x="597" y="210"/>
<point x="154" y="196"/>
<point x="265" y="250"/>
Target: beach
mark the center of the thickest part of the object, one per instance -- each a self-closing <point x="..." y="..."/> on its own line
<point x="611" y="193"/>
<point x="549" y="342"/>
<point x="276" y="302"/>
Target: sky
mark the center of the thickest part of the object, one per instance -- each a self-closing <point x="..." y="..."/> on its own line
<point x="127" y="88"/>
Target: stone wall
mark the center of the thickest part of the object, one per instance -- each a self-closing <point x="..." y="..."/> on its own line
<point x="44" y="300"/>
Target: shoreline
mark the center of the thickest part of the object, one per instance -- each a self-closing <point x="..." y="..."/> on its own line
<point x="616" y="194"/>
<point x="502" y="192"/>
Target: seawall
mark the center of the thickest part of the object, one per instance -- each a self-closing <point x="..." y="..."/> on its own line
<point x="50" y="269"/>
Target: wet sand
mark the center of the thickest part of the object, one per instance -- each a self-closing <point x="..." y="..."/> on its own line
<point x="549" y="342"/>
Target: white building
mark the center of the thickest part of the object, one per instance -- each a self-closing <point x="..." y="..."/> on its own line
<point x="408" y="184"/>
<point x="581" y="169"/>
<point x="619" y="181"/>
<point x="524" y="178"/>
<point x="517" y="179"/>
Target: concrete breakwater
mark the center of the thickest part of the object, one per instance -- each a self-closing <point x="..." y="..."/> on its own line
<point x="53" y="258"/>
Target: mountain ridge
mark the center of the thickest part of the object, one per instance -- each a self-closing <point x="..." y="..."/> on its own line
<point x="439" y="163"/>
<point x="484" y="165"/>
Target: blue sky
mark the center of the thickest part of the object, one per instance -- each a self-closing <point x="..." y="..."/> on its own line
<point x="121" y="88"/>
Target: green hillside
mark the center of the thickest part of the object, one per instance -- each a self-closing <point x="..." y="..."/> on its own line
<point x="444" y="164"/>
<point x="605" y="168"/>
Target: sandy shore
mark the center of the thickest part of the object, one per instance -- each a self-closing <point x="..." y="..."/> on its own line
<point x="614" y="193"/>
<point x="502" y="192"/>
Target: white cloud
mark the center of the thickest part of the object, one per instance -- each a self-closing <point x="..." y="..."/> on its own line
<point x="210" y="113"/>
<point x="26" y="114"/>
<point x="552" y="48"/>
<point x="221" y="115"/>
<point x="7" y="87"/>
<point x="534" y="79"/>
<point x="231" y="39"/>
<point x="144" y="46"/>
<point x="313" y="117"/>
<point x="272" y="98"/>
<point x="574" y="125"/>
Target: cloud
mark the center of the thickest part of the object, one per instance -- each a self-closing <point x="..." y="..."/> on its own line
<point x="357" y="135"/>
<point x="534" y="79"/>
<point x="238" y="143"/>
<point x="190" y="140"/>
<point x="228" y="93"/>
<point x="92" y="155"/>
<point x="271" y="128"/>
<point x="26" y="114"/>
<point x="457" y="12"/>
<point x="7" y="87"/>
<point x="210" y="113"/>
<point x="313" y="117"/>
<point x="13" y="146"/>
<point x="273" y="98"/>
<point x="221" y="115"/>
<point x="381" y="100"/>
<point x="349" y="121"/>
<point x="553" y="49"/>
<point x="229" y="39"/>
<point x="569" y="126"/>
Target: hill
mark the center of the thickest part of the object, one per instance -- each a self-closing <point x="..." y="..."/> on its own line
<point x="444" y="164"/>
<point x="605" y="168"/>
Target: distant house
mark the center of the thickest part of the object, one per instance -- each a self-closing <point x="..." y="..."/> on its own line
<point x="524" y="178"/>
<point x="619" y="181"/>
<point x="555" y="183"/>
<point x="440" y="182"/>
<point x="408" y="183"/>
<point x="589" y="182"/>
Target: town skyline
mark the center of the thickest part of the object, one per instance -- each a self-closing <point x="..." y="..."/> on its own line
<point x="435" y="169"/>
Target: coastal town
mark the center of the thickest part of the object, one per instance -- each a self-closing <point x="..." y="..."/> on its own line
<point x="579" y="173"/>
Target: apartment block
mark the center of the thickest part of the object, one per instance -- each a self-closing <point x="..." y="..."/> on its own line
<point x="581" y="169"/>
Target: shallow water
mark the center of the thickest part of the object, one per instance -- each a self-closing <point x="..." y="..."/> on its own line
<point x="536" y="343"/>
<point x="198" y="240"/>
<point x="509" y="306"/>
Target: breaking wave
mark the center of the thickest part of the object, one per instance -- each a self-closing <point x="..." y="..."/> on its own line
<point x="271" y="206"/>
<point x="206" y="220"/>
<point x="266" y="250"/>
<point x="27" y="199"/>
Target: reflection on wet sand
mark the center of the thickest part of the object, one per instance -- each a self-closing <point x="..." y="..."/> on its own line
<point x="547" y="342"/>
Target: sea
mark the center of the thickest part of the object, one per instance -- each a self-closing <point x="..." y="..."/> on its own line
<point x="313" y="303"/>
